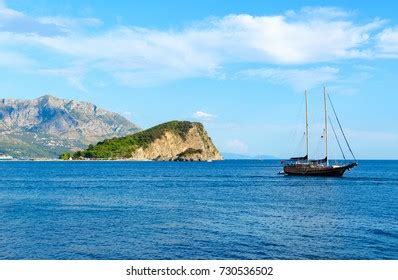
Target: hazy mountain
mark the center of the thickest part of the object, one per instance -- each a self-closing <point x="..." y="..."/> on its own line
<point x="47" y="126"/>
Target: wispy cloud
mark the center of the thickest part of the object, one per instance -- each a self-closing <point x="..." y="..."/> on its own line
<point x="203" y="115"/>
<point x="70" y="22"/>
<point x="387" y="42"/>
<point x="127" y="114"/>
<point x="18" y="23"/>
<point x="325" y="13"/>
<point x="375" y="136"/>
<point x="350" y="82"/>
<point x="299" y="79"/>
<point x="361" y="140"/>
<point x="236" y="146"/>
<point x="73" y="75"/>
<point x="136" y="56"/>
<point x="9" y="59"/>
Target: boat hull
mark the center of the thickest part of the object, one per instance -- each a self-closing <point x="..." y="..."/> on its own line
<point x="321" y="171"/>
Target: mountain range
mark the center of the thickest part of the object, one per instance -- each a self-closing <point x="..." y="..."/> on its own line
<point x="47" y="126"/>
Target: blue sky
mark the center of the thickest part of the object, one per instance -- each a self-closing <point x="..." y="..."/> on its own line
<point x="240" y="67"/>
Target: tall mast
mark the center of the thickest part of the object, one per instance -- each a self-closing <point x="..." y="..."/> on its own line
<point x="306" y="125"/>
<point x="326" y="125"/>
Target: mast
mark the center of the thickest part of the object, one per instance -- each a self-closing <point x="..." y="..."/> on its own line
<point x="326" y="125"/>
<point x="306" y="125"/>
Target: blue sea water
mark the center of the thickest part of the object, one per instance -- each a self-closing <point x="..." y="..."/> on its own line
<point x="195" y="210"/>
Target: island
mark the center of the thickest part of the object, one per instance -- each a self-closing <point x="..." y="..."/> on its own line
<point x="171" y="141"/>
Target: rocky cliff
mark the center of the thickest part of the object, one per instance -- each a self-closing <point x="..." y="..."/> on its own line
<point x="172" y="141"/>
<point x="47" y="126"/>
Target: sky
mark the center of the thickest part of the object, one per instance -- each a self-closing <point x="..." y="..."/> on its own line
<point x="239" y="67"/>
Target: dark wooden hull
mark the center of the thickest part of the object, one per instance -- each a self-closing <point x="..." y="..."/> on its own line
<point x="310" y="170"/>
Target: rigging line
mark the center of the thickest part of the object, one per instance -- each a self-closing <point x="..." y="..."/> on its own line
<point x="294" y="132"/>
<point x="342" y="131"/>
<point x="335" y="135"/>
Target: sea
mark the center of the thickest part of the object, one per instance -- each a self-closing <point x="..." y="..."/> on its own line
<point x="233" y="209"/>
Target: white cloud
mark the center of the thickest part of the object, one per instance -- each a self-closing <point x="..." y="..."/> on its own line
<point x="127" y="115"/>
<point x="19" y="23"/>
<point x="373" y="136"/>
<point x="136" y="56"/>
<point x="236" y="146"/>
<point x="69" y="26"/>
<point x="319" y="12"/>
<point x="15" y="22"/>
<point x="70" y="22"/>
<point x="284" y="39"/>
<point x="364" y="67"/>
<point x="203" y="115"/>
<point x="14" y="60"/>
<point x="350" y="82"/>
<point x="299" y="79"/>
<point x="73" y="75"/>
<point x="387" y="42"/>
<point x="361" y="140"/>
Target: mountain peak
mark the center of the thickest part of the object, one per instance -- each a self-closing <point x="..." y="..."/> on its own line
<point x="46" y="97"/>
<point x="44" y="126"/>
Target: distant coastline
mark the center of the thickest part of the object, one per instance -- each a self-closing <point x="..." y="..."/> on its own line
<point x="236" y="156"/>
<point x="143" y="160"/>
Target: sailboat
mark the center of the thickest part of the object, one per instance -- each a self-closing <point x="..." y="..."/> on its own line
<point x="304" y="166"/>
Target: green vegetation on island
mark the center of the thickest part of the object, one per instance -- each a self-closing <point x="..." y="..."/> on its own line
<point x="123" y="147"/>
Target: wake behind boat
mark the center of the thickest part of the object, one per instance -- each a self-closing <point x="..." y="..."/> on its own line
<point x="304" y="166"/>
